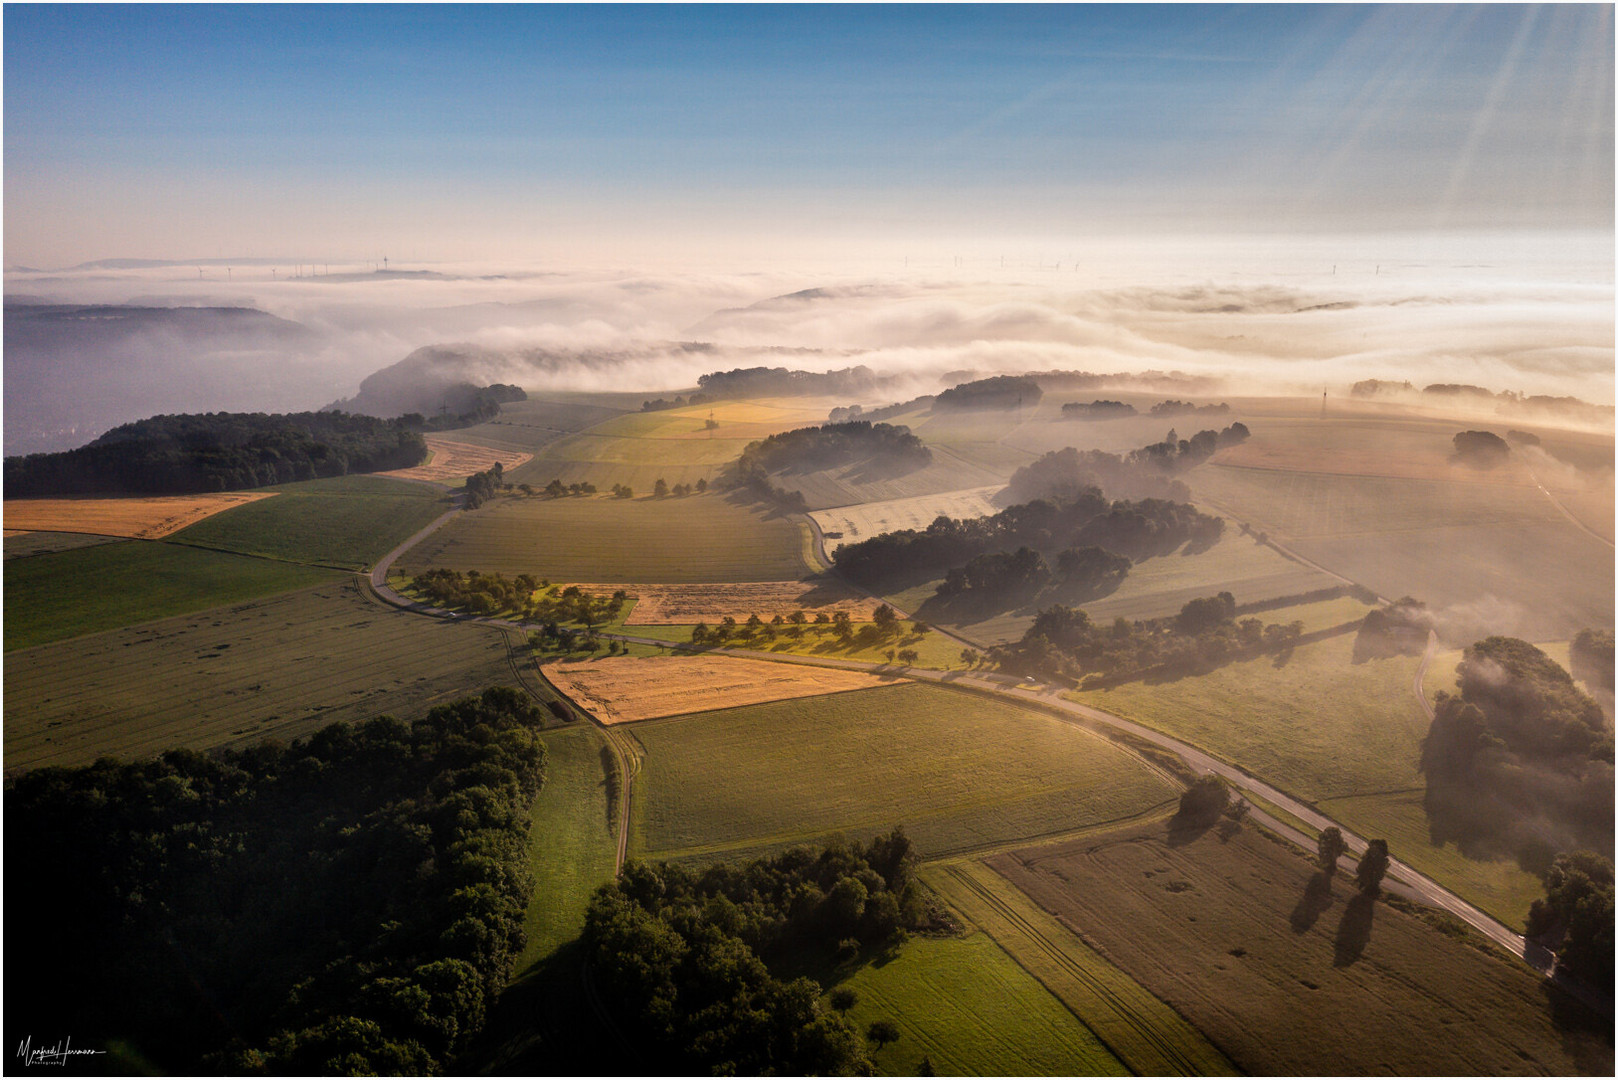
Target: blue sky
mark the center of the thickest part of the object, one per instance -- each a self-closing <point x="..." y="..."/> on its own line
<point x="469" y="132"/>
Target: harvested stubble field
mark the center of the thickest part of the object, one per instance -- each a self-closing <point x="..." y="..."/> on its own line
<point x="968" y="1007"/>
<point x="1150" y="1038"/>
<point x="862" y="521"/>
<point x="281" y="667"/>
<point x="453" y="461"/>
<point x="953" y="469"/>
<point x="620" y="690"/>
<point x="1223" y="932"/>
<point x="1462" y="540"/>
<point x="687" y="605"/>
<point x="959" y="771"/>
<point x="348" y="522"/>
<point x="701" y="538"/>
<point x="89" y="589"/>
<point x="143" y="517"/>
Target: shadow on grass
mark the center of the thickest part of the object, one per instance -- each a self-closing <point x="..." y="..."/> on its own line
<point x="1587" y="1034"/>
<point x="1183" y="828"/>
<point x="542" y="1025"/>
<point x="1354" y="932"/>
<point x="1317" y="897"/>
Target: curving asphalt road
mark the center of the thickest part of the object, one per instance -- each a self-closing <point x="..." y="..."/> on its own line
<point x="1402" y="878"/>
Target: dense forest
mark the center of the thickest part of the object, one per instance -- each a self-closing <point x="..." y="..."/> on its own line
<point x="996" y="392"/>
<point x="1520" y="761"/>
<point x="348" y="904"/>
<point x="1141" y="474"/>
<point x="199" y="452"/>
<point x="682" y="959"/>
<point x="1137" y="530"/>
<point x="1097" y="410"/>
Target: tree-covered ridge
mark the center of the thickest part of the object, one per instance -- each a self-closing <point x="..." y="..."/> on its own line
<point x="784" y="382"/>
<point x="682" y="958"/>
<point x="828" y="446"/>
<point x="996" y="392"/>
<point x="464" y="404"/>
<point x="193" y="452"/>
<point x="1521" y="759"/>
<point x="1137" y="530"/>
<point x="1146" y="473"/>
<point x="349" y="904"/>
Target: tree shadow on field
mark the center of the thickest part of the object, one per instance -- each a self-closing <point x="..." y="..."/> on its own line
<point x="1587" y="1035"/>
<point x="1354" y="932"/>
<point x="1317" y="897"/>
<point x="1185" y="828"/>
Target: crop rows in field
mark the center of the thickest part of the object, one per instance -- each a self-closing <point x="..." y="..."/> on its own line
<point x="280" y="667"/>
<point x="620" y="690"/>
<point x="957" y="770"/>
<point x="348" y="522"/>
<point x="1145" y="1034"/>
<point x="451" y="462"/>
<point x="699" y="538"/>
<point x="862" y="521"/>
<point x="140" y="517"/>
<point x="89" y="589"/>
<point x="1222" y="931"/>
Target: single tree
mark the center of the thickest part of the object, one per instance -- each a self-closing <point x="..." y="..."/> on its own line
<point x="844" y="999"/>
<point x="1373" y="865"/>
<point x="661" y="488"/>
<point x="1331" y="849"/>
<point x="908" y="656"/>
<point x="882" y="1032"/>
<point x="925" y="1068"/>
<point x="969" y="657"/>
<point x="885" y="618"/>
<point x="702" y="485"/>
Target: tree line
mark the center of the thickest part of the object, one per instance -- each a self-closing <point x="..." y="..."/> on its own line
<point x="682" y="959"/>
<point x="201" y="452"/>
<point x="350" y="903"/>
<point x="465" y="404"/>
<point x="1135" y="530"/>
<point x="995" y="392"/>
<point x="1063" y="642"/>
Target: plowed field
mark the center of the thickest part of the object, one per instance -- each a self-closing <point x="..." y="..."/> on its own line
<point x="684" y="605"/>
<point x="619" y="690"/>
<point x="144" y="518"/>
<point x="452" y="462"/>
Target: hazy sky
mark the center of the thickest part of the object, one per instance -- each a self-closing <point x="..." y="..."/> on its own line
<point x="595" y="133"/>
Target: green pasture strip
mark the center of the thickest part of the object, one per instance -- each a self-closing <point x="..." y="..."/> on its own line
<point x="570" y="846"/>
<point x="89" y="589"/>
<point x="348" y="522"/>
<point x="971" y="1011"/>
<point x="699" y="538"/>
<point x="1497" y="886"/>
<point x="959" y="771"/>
<point x="1287" y="972"/>
<point x="1143" y="1033"/>
<point x="280" y="666"/>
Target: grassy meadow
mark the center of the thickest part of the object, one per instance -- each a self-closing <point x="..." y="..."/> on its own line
<point x="969" y="1009"/>
<point x="227" y="676"/>
<point x="348" y="522"/>
<point x="65" y="594"/>
<point x="959" y="771"/>
<point x="1222" y="931"/>
<point x="693" y="539"/>
<point x="570" y="845"/>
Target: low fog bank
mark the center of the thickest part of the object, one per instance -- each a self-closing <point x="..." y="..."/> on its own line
<point x="1303" y="327"/>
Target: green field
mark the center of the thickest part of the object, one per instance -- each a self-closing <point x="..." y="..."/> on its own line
<point x="570" y="846"/>
<point x="959" y="771"/>
<point x="1220" y="930"/>
<point x="1343" y="735"/>
<point x="972" y="1011"/>
<point x="348" y="522"/>
<point x="44" y="543"/>
<point x="700" y="538"/>
<point x="1147" y="1036"/>
<point x="88" y="589"/>
<point x="281" y="667"/>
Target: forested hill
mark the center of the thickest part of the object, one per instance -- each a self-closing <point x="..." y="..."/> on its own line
<point x="221" y="451"/>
